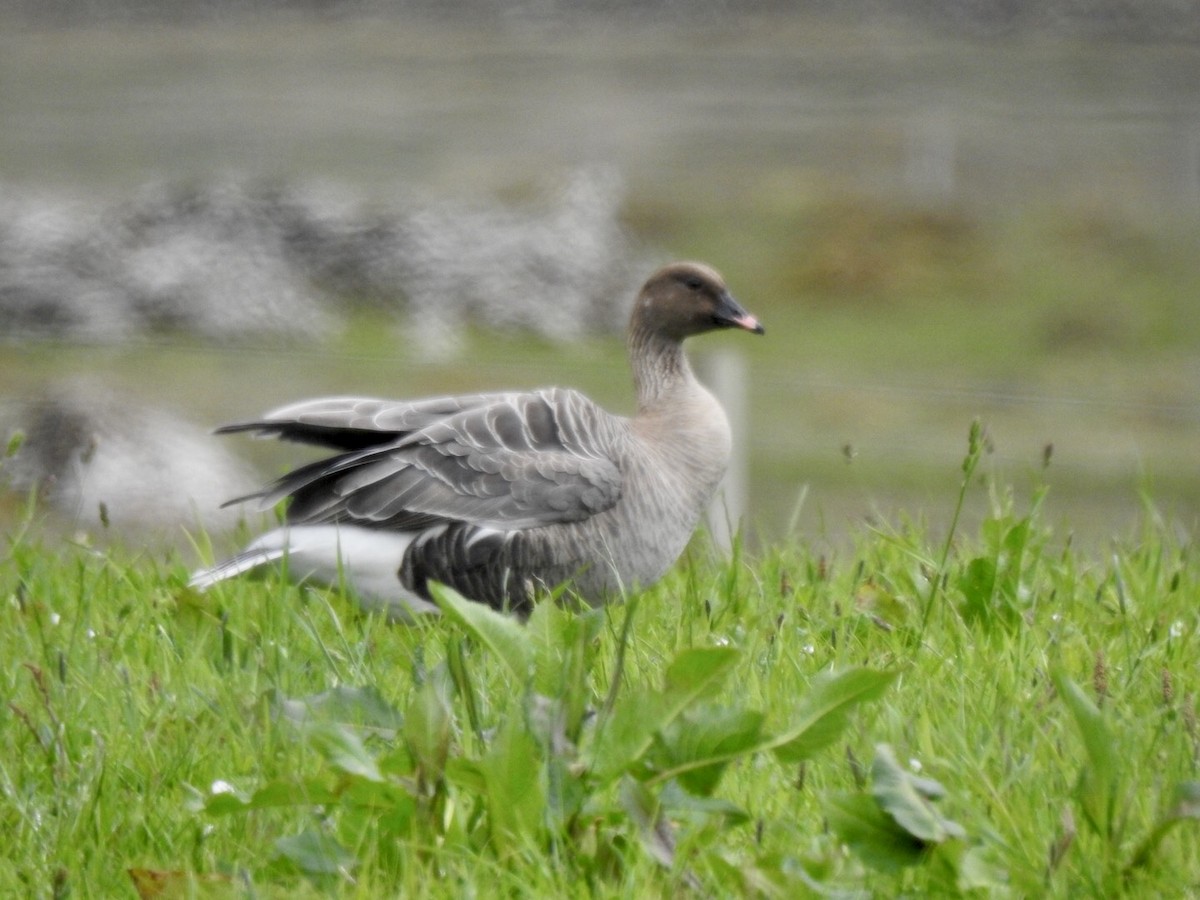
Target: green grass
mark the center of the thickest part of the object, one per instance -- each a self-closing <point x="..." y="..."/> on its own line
<point x="1047" y="683"/>
<point x="268" y="740"/>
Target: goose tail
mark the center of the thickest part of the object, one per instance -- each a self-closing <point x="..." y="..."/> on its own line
<point x="246" y="561"/>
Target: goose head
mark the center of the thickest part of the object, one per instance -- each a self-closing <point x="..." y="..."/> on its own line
<point x="685" y="299"/>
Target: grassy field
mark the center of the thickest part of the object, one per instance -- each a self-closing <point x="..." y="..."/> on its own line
<point x="892" y="689"/>
<point x="993" y="715"/>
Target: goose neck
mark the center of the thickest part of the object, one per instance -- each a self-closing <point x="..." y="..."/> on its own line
<point x="660" y="367"/>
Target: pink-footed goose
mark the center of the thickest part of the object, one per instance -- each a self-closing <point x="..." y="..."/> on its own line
<point x="504" y="495"/>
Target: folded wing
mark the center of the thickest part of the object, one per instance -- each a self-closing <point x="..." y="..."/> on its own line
<point x="499" y="461"/>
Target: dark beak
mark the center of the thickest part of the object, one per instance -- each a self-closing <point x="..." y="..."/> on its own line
<point x="729" y="314"/>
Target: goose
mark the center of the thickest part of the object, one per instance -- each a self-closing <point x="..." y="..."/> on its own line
<point x="506" y="496"/>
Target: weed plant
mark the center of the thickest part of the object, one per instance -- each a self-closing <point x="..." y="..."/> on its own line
<point x="991" y="714"/>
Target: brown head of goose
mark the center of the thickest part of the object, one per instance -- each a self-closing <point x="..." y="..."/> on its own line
<point x="504" y="495"/>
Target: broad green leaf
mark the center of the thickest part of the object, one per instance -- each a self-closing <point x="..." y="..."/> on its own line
<point x="697" y="746"/>
<point x="396" y="761"/>
<point x="566" y="790"/>
<point x="272" y="794"/>
<point x="681" y="804"/>
<point x="380" y="814"/>
<point x="501" y="634"/>
<point x="360" y="706"/>
<point x="1015" y="541"/>
<point x="698" y="670"/>
<point x="628" y="732"/>
<point x="978" y="871"/>
<point x="427" y="728"/>
<point x="906" y="800"/>
<point x="344" y="750"/>
<point x="465" y="774"/>
<point x="824" y="711"/>
<point x="978" y="586"/>
<point x="553" y="629"/>
<point x="222" y="797"/>
<point x="223" y="804"/>
<point x="378" y="796"/>
<point x="638" y="715"/>
<point x="564" y="649"/>
<point x="291" y="793"/>
<point x="1100" y="775"/>
<point x="464" y="684"/>
<point x="315" y="852"/>
<point x="511" y="772"/>
<point x="882" y="844"/>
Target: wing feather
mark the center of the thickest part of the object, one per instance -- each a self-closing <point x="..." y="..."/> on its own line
<point x="501" y="461"/>
<point x="355" y="423"/>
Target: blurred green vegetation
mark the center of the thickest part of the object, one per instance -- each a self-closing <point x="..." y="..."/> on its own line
<point x="1070" y="331"/>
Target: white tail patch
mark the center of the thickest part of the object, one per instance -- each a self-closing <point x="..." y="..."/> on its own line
<point x="363" y="559"/>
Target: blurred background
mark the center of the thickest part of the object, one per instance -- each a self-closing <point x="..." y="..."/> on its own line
<point x="941" y="210"/>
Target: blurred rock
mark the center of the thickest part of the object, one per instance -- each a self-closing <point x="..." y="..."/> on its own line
<point x="352" y="250"/>
<point x="173" y="259"/>
<point x="252" y="260"/>
<point x="211" y="261"/>
<point x="56" y="281"/>
<point x="85" y="450"/>
<point x="562" y="269"/>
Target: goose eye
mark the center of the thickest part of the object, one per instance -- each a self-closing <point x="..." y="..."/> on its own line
<point x="693" y="284"/>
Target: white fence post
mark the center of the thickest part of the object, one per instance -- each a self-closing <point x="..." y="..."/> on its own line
<point x="931" y="153"/>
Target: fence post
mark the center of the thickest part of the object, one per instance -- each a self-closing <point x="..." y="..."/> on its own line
<point x="931" y="151"/>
